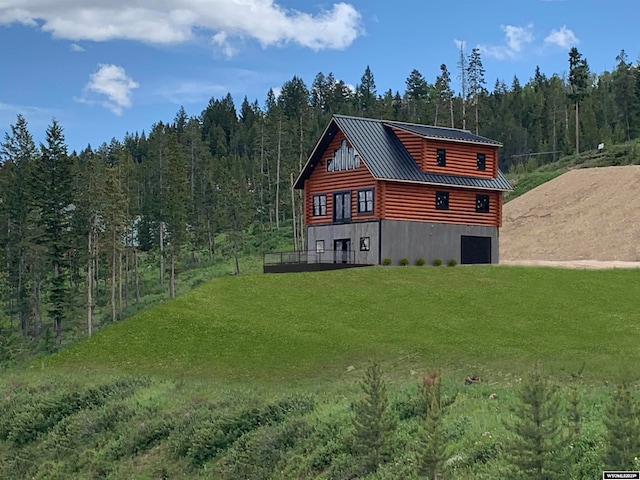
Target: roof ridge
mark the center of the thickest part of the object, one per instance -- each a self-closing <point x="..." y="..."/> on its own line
<point x="430" y="126"/>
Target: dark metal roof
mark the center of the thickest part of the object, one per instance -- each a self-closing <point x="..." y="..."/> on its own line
<point x="386" y="157"/>
<point x="443" y="133"/>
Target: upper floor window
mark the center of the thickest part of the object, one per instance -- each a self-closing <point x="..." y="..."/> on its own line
<point x="441" y="157"/>
<point x="442" y="200"/>
<point x="319" y="205"/>
<point x="481" y="161"/>
<point x="344" y="158"/>
<point x="365" y="201"/>
<point x="482" y="203"/>
<point x="342" y="207"/>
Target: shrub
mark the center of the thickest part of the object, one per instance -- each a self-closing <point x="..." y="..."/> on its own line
<point x="437" y="262"/>
<point x="420" y="262"/>
<point x="404" y="261"/>
<point x="452" y="263"/>
<point x="386" y="261"/>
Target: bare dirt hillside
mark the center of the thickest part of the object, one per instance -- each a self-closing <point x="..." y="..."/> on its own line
<point x="584" y="215"/>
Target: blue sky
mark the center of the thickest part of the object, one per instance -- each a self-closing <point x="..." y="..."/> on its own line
<point x="103" y="69"/>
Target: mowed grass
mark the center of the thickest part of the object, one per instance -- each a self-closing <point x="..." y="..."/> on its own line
<point x="280" y="328"/>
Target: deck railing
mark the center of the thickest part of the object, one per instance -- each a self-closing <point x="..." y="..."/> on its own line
<point x="310" y="257"/>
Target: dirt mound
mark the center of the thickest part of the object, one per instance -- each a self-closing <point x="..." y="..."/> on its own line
<point x="586" y="214"/>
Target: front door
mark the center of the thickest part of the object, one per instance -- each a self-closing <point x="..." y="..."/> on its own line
<point x="341" y="248"/>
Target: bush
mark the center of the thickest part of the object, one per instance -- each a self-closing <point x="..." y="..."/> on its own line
<point x="404" y="261"/>
<point x="420" y="262"/>
<point x="386" y="261"/>
<point x="437" y="262"/>
<point x="452" y="263"/>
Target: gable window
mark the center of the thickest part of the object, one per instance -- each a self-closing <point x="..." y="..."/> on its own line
<point x="365" y="201"/>
<point x="442" y="200"/>
<point x="342" y="207"/>
<point x="441" y="157"/>
<point x="481" y="161"/>
<point x="482" y="203"/>
<point x="319" y="205"/>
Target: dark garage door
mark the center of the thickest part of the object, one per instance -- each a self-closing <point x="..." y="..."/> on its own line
<point x="475" y="250"/>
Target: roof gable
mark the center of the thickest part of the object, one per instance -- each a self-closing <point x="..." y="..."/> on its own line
<point x="386" y="157"/>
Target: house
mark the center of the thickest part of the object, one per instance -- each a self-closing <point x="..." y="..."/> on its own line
<point x="376" y="189"/>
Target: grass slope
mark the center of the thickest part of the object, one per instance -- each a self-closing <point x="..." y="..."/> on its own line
<point x="530" y="175"/>
<point x="280" y="328"/>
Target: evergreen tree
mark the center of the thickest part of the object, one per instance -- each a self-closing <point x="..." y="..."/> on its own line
<point x="17" y="156"/>
<point x="373" y="422"/>
<point x="434" y="443"/>
<point x="53" y="182"/>
<point x="579" y="83"/>
<point x="623" y="429"/>
<point x="417" y="94"/>
<point x="537" y="448"/>
<point x="475" y="78"/>
<point x="444" y="95"/>
<point x="366" y="94"/>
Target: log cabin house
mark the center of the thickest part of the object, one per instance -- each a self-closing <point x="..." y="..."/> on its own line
<point x="376" y="189"/>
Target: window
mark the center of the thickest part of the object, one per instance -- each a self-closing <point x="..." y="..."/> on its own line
<point x="482" y="203"/>
<point x="442" y="200"/>
<point x="319" y="205"/>
<point x="481" y="161"/>
<point x="319" y="246"/>
<point x="364" y="244"/>
<point x="365" y="201"/>
<point x="342" y="207"/>
<point x="441" y="157"/>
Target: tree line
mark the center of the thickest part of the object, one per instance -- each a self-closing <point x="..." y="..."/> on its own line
<point x="78" y="228"/>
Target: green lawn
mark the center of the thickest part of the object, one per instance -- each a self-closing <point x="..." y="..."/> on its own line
<point x="280" y="328"/>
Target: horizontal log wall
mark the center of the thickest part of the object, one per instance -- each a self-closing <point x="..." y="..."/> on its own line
<point x="460" y="159"/>
<point x="322" y="182"/>
<point x="418" y="203"/>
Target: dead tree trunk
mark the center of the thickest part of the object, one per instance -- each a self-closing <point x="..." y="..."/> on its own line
<point x="90" y="285"/>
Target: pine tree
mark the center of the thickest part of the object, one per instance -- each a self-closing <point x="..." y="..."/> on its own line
<point x="17" y="155"/>
<point x="53" y="191"/>
<point x="579" y="83"/>
<point x="476" y="82"/>
<point x="623" y="429"/>
<point x="444" y="94"/>
<point x="373" y="422"/>
<point x="434" y="443"/>
<point x="366" y="94"/>
<point x="417" y="94"/>
<point x="537" y="449"/>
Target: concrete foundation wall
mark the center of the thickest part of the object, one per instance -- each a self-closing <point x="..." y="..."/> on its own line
<point x="430" y="240"/>
<point x="396" y="239"/>
<point x="352" y="231"/>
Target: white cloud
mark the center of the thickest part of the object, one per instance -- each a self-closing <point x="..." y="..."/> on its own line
<point x="562" y="37"/>
<point x="185" y="92"/>
<point x="516" y="39"/>
<point x="177" y="21"/>
<point x="112" y="82"/>
<point x="76" y="48"/>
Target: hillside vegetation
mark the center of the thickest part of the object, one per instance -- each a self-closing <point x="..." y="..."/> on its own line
<point x="531" y="174"/>
<point x="258" y="377"/>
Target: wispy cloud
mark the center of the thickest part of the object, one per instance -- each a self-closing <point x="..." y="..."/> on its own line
<point x="562" y="37"/>
<point x="516" y="39"/>
<point x="112" y="82"/>
<point x="177" y="21"/>
<point x="186" y="92"/>
<point x="76" y="48"/>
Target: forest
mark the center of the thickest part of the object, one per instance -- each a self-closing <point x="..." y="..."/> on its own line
<point x="80" y="232"/>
